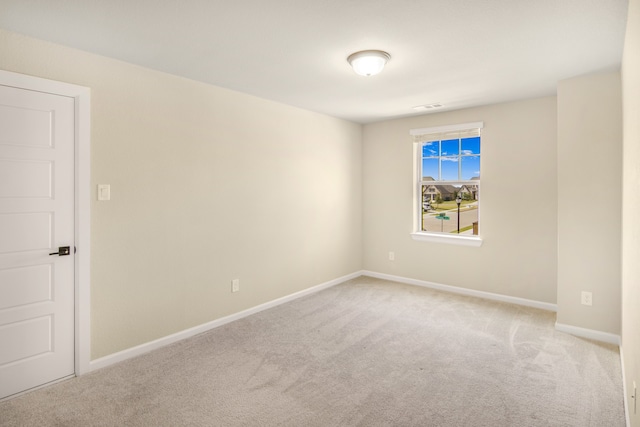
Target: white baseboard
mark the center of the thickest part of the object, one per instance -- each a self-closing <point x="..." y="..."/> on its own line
<point x="170" y="339"/>
<point x="573" y="330"/>
<point x="627" y="415"/>
<point x="589" y="333"/>
<point x="463" y="291"/>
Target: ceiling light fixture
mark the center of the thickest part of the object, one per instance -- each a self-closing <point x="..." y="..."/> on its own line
<point x="368" y="62"/>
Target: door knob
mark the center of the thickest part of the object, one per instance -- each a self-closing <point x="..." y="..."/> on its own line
<point x="62" y="251"/>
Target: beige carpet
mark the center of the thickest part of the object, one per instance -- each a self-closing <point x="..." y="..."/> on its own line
<point x="364" y="353"/>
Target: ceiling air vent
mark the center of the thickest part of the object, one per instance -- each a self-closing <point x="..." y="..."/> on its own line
<point x="428" y="107"/>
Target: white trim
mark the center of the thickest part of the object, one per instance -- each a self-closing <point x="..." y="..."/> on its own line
<point x="447" y="128"/>
<point x="627" y="415"/>
<point x="463" y="291"/>
<point x="589" y="333"/>
<point x="187" y="333"/>
<point x="82" y="199"/>
<point x="83" y="231"/>
<point x="443" y="238"/>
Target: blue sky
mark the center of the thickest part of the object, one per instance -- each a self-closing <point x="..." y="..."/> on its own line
<point x="446" y="156"/>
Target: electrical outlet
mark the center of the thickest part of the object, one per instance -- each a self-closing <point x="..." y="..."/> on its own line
<point x="392" y="256"/>
<point x="634" y="396"/>
<point x="235" y="285"/>
<point x="587" y="298"/>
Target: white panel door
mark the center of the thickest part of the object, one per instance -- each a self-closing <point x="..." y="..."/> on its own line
<point x="36" y="217"/>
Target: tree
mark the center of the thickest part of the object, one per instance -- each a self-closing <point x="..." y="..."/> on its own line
<point x="438" y="200"/>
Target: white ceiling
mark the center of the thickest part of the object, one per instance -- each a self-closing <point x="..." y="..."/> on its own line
<point x="460" y="53"/>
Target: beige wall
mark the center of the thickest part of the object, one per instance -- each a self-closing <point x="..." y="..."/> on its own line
<point x="210" y="185"/>
<point x="631" y="206"/>
<point x="589" y="200"/>
<point x="518" y="203"/>
<point x="207" y="185"/>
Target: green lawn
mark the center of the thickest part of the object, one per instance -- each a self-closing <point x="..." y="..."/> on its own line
<point x="462" y="229"/>
<point x="451" y="204"/>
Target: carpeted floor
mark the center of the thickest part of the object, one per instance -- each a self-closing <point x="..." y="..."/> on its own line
<point x="367" y="352"/>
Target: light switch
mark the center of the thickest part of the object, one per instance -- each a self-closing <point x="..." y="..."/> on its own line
<point x="104" y="192"/>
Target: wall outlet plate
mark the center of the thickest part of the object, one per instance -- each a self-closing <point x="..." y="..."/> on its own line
<point x="235" y="285"/>
<point x="586" y="298"/>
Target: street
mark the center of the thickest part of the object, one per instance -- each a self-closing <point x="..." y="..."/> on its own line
<point x="467" y="218"/>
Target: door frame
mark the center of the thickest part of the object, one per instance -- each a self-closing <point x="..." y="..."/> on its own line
<point x="82" y="196"/>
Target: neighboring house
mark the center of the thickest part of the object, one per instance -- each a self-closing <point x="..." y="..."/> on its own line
<point x="447" y="192"/>
<point x="431" y="192"/>
<point x="470" y="189"/>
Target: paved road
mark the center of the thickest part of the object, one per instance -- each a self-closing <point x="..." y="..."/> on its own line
<point x="467" y="218"/>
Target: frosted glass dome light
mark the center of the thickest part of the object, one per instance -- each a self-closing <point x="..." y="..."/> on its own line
<point x="368" y="62"/>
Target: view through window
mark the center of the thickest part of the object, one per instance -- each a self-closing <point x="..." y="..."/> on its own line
<point x="449" y="182"/>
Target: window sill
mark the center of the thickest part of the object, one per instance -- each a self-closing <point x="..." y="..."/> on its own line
<point x="452" y="240"/>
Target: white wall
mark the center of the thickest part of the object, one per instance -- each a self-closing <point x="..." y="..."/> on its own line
<point x="631" y="206"/>
<point x="207" y="185"/>
<point x="518" y="203"/>
<point x="589" y="200"/>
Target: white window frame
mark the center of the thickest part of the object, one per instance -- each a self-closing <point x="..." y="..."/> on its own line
<point x="439" y="133"/>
